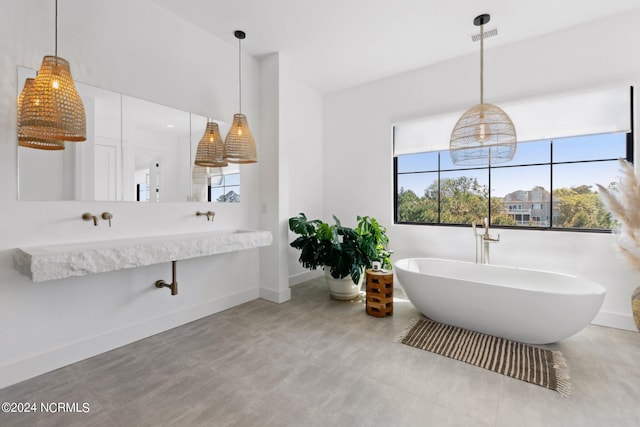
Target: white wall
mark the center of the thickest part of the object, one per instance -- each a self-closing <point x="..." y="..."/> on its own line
<point x="140" y="49"/>
<point x="301" y="133"/>
<point x="292" y="120"/>
<point x="358" y="146"/>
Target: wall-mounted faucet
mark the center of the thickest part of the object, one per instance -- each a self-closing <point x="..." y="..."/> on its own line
<point x="107" y="216"/>
<point x="208" y="214"/>
<point x="87" y="216"/>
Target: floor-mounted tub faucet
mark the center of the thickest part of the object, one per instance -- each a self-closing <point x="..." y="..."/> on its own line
<point x="482" y="242"/>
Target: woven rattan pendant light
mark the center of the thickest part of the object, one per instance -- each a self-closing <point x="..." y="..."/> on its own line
<point x="239" y="145"/>
<point x="53" y="110"/>
<point x="30" y="142"/>
<point x="210" y="148"/>
<point x="484" y="135"/>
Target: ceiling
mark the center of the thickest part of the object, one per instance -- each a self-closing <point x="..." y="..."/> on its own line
<point x="335" y="44"/>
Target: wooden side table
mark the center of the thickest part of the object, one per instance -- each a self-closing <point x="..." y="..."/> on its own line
<point x="379" y="293"/>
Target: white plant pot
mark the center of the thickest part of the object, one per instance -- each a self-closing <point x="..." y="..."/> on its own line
<point x="343" y="289"/>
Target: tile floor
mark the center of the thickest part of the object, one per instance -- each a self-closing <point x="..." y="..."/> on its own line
<point x="314" y="361"/>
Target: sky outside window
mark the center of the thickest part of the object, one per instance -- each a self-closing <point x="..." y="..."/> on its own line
<point x="606" y="146"/>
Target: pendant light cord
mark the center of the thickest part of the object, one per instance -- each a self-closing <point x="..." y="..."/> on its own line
<point x="56" y="50"/>
<point x="481" y="64"/>
<point x="239" y="73"/>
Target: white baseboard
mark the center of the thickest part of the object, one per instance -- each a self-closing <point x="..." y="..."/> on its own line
<point x="615" y="320"/>
<point x="33" y="366"/>
<point x="275" y="296"/>
<point x="296" y="279"/>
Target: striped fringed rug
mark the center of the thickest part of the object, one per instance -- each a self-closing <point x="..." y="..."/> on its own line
<point x="524" y="362"/>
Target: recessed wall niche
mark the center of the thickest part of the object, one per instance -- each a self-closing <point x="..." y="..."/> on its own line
<point x="135" y="150"/>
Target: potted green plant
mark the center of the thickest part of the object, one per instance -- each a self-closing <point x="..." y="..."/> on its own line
<point x="343" y="252"/>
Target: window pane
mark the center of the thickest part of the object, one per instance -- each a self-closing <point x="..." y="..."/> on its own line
<point x="464" y="196"/>
<point x="533" y="152"/>
<point x="592" y="147"/>
<point x="576" y="203"/>
<point x="216" y="193"/>
<point x="143" y="192"/>
<point x="418" y="197"/>
<point x="520" y="189"/>
<point x="418" y="162"/>
<point x="418" y="183"/>
<point x="520" y="196"/>
<point x="447" y="164"/>
<point x="232" y="179"/>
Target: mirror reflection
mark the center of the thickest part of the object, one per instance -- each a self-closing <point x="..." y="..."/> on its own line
<point x="135" y="151"/>
<point x="156" y="158"/>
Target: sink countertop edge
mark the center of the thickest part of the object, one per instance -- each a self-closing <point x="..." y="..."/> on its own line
<point x="59" y="261"/>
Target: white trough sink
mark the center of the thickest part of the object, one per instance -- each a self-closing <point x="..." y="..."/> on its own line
<point x="52" y="262"/>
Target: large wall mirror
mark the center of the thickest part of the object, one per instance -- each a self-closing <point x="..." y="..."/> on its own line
<point x="135" y="150"/>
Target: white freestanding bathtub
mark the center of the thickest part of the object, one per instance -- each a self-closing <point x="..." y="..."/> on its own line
<point x="531" y="306"/>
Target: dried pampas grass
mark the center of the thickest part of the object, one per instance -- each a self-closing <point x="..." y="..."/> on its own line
<point x="624" y="205"/>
